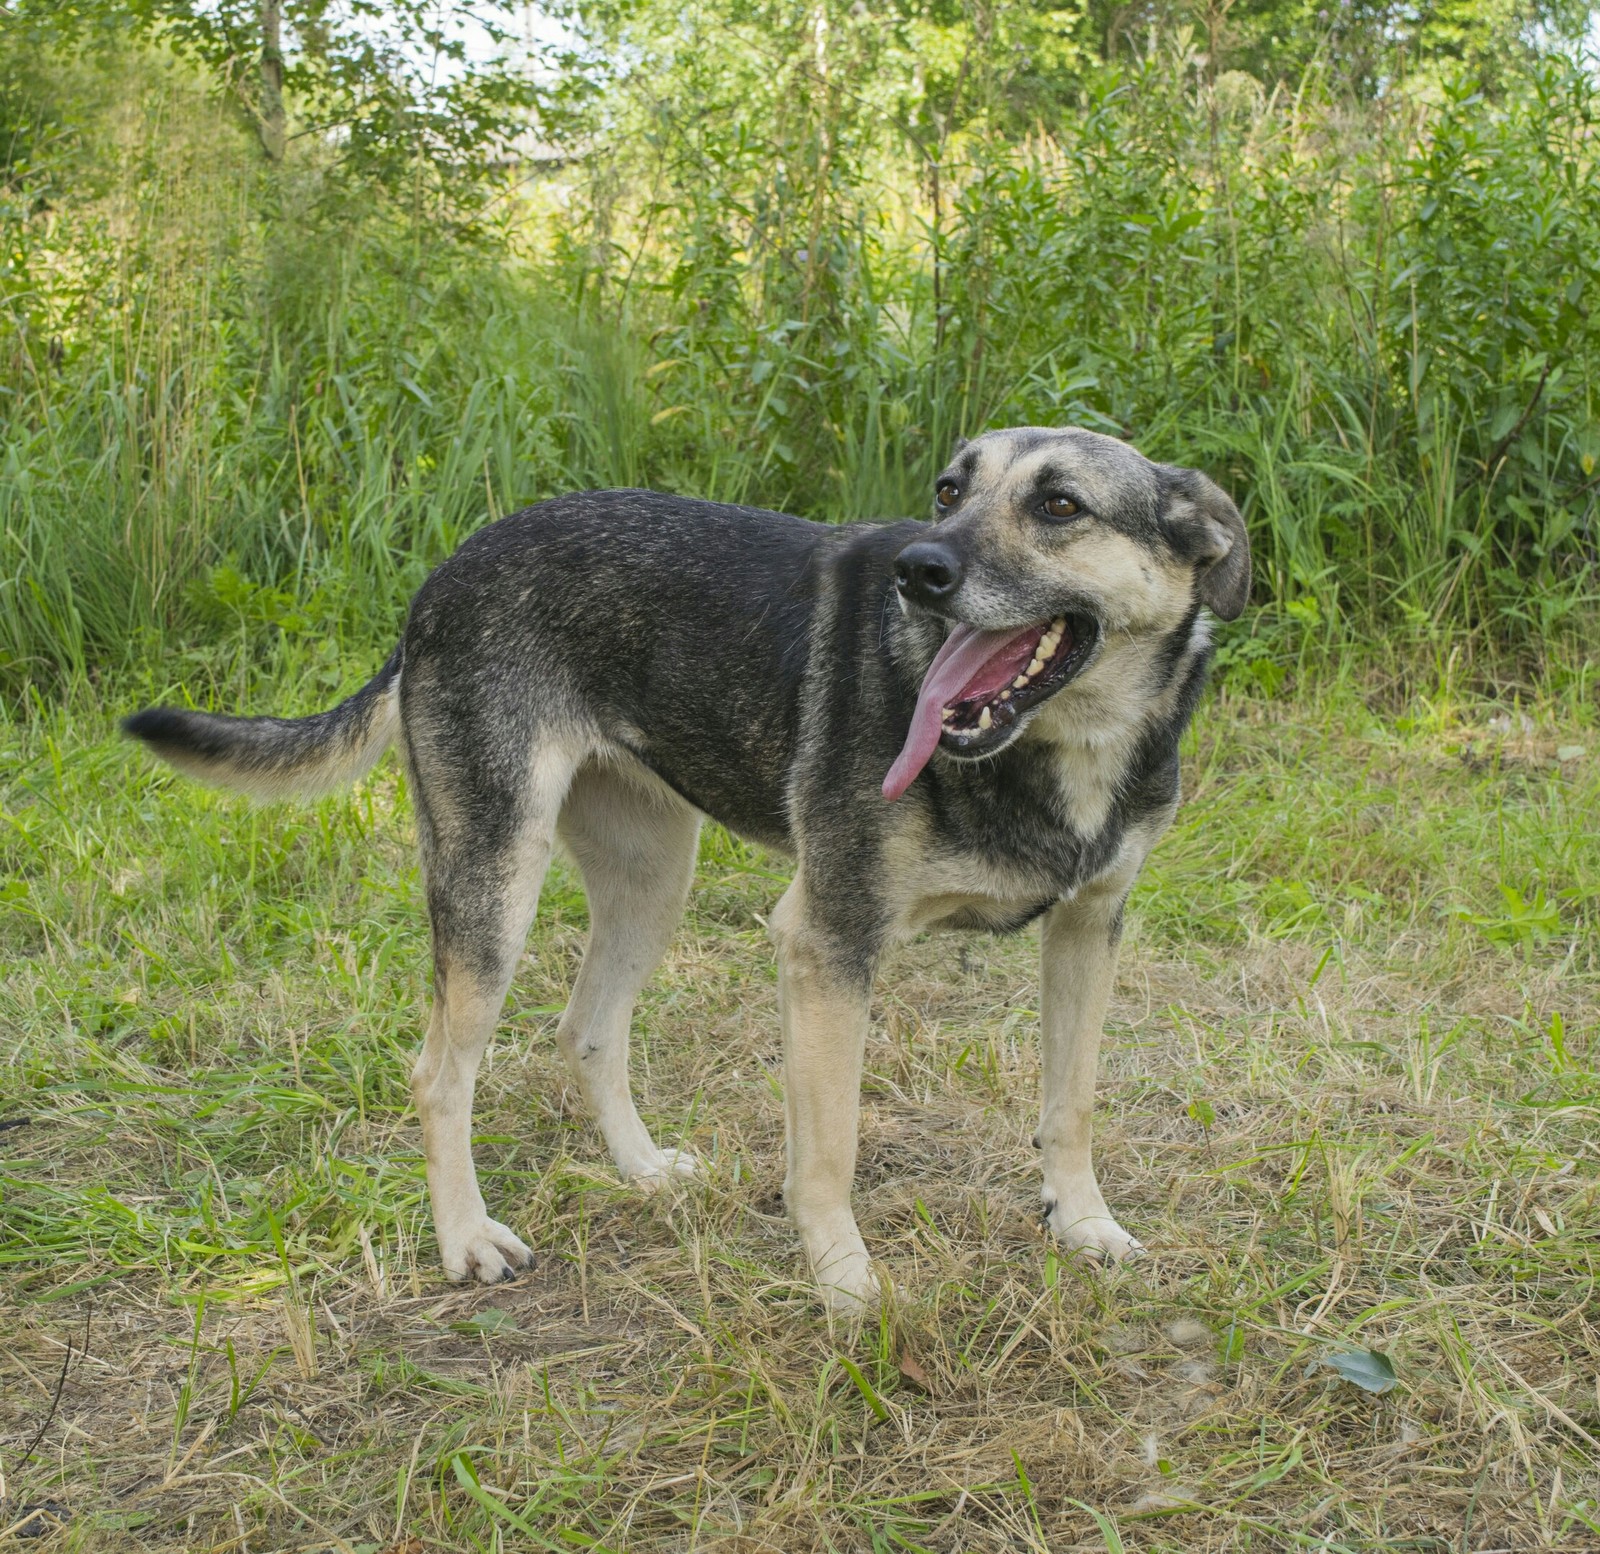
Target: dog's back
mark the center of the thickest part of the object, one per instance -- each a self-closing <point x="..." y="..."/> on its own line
<point x="674" y="629"/>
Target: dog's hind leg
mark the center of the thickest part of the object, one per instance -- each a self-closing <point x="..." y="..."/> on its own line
<point x="486" y="840"/>
<point x="634" y="842"/>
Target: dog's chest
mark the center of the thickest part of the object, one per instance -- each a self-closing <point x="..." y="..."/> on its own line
<point x="1007" y="842"/>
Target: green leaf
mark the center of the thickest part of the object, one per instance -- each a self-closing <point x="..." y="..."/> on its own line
<point x="1367" y="1368"/>
<point x="1105" y="1526"/>
<point x="467" y="1478"/>
<point x="1278" y="1470"/>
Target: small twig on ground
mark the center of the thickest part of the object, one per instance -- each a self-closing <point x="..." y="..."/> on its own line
<point x="55" y="1401"/>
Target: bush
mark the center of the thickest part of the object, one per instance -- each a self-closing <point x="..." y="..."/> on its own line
<point x="1371" y="318"/>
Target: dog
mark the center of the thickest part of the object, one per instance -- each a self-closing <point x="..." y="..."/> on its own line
<point x="968" y="722"/>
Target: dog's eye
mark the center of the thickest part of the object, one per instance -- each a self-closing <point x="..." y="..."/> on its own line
<point x="947" y="494"/>
<point x="1062" y="507"/>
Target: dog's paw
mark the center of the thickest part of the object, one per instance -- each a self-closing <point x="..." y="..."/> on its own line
<point x="661" y="1167"/>
<point x="850" y="1289"/>
<point x="843" y="1271"/>
<point x="1087" y="1229"/>
<point x="486" y="1251"/>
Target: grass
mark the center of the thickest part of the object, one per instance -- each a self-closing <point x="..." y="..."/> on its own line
<point x="1350" y="1098"/>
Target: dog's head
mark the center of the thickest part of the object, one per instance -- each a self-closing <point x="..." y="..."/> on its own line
<point x="1044" y="544"/>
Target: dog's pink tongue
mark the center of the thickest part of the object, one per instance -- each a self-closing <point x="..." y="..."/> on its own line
<point x="966" y="650"/>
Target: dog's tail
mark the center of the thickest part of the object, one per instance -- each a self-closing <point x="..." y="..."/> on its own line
<point x="274" y="758"/>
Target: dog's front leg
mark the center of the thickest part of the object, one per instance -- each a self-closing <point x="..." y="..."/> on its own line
<point x="1078" y="961"/>
<point x="823" y="1003"/>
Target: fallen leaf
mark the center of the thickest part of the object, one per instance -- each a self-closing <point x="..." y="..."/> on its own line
<point x="1368" y="1369"/>
<point x="912" y="1369"/>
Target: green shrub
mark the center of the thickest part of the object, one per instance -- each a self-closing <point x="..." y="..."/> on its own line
<point x="765" y="277"/>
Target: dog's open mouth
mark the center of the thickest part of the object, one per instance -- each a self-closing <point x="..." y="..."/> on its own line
<point x="981" y="682"/>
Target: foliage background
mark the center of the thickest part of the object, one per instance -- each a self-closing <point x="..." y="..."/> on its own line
<point x="787" y="254"/>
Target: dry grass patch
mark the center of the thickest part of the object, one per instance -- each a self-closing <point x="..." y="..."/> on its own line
<point x="1349" y="1100"/>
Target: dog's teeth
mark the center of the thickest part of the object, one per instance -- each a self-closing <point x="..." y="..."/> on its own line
<point x="1005" y="696"/>
<point x="1020" y="681"/>
<point x="1059" y="624"/>
<point x="1035" y="667"/>
<point x="984" y="718"/>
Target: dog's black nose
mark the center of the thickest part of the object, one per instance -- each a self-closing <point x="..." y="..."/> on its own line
<point x="927" y="572"/>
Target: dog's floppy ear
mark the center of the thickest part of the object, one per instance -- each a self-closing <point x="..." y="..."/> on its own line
<point x="1206" y="527"/>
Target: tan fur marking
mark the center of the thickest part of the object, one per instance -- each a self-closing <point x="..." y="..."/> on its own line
<point x="1077" y="966"/>
<point x="634" y="841"/>
<point x="1135" y="590"/>
<point x="824" y="1035"/>
<point x="465" y="1013"/>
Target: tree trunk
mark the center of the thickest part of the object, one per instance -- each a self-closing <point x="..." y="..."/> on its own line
<point x="270" y="122"/>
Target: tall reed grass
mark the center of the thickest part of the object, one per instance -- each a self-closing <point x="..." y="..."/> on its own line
<point x="238" y="411"/>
